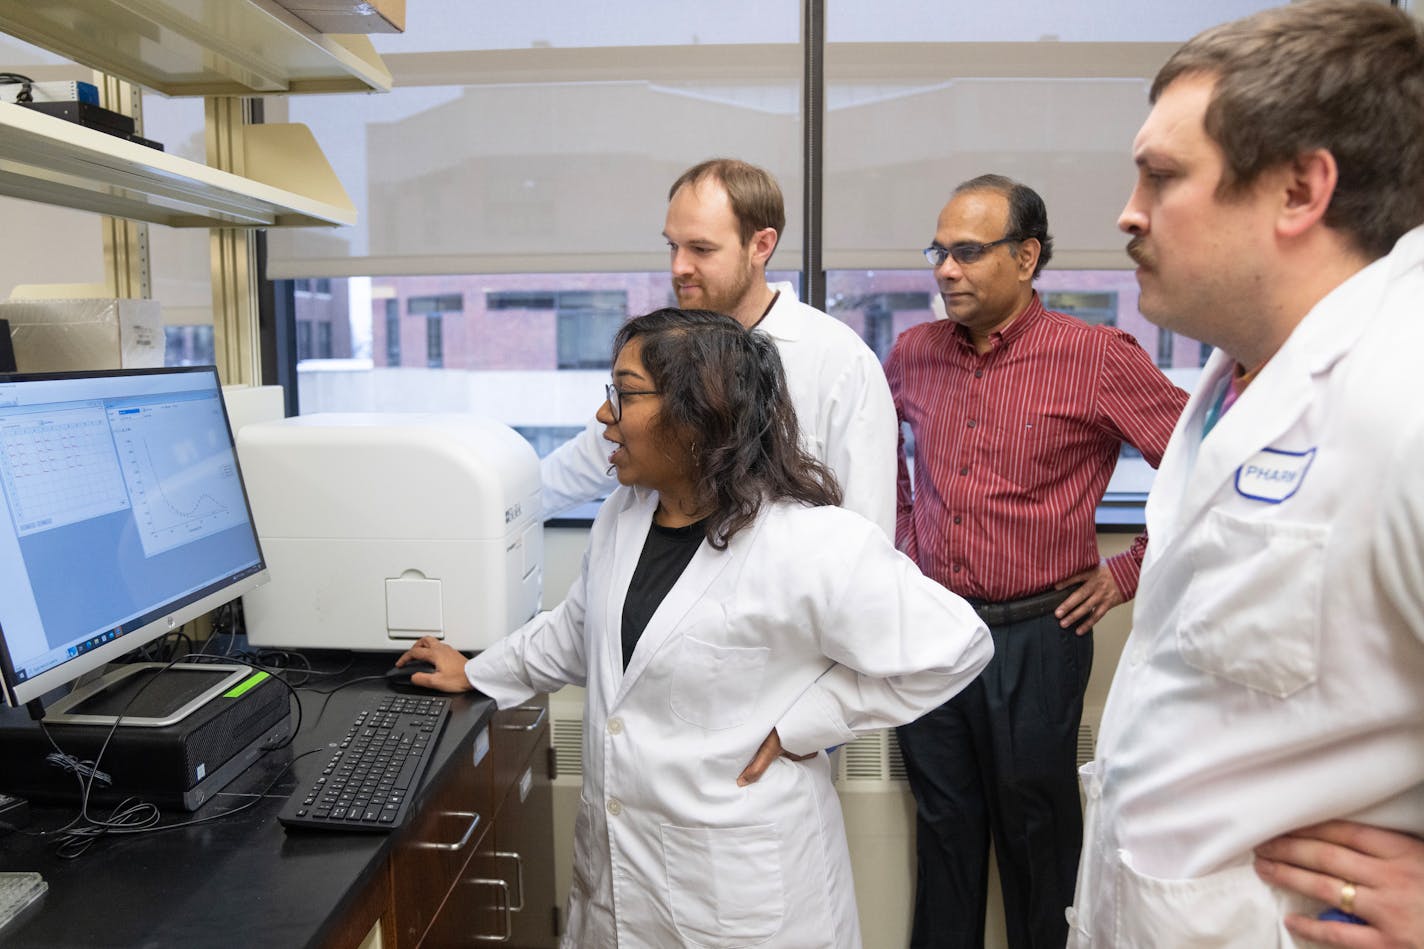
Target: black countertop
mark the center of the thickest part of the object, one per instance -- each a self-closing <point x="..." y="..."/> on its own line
<point x="239" y="880"/>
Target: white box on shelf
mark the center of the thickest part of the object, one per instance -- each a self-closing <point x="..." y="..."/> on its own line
<point x="107" y="333"/>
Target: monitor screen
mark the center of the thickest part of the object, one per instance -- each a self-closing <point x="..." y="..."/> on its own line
<point x="122" y="516"/>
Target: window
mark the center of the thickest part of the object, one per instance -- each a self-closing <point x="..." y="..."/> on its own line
<point x="435" y="309"/>
<point x="1165" y="349"/>
<point x="545" y="438"/>
<point x="434" y="341"/>
<point x="188" y="345"/>
<point x="587" y="322"/>
<point x="531" y="184"/>
<point x="393" y="332"/>
<point x="445" y="303"/>
<point x="304" y="340"/>
<point x="1096" y="308"/>
<point x="879" y="314"/>
<point x="521" y="300"/>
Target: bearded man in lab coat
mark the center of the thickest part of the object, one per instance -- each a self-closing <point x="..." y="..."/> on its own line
<point x="1274" y="678"/>
<point x="724" y="220"/>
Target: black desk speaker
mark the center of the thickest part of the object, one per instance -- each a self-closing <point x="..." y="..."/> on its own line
<point x="7" y="349"/>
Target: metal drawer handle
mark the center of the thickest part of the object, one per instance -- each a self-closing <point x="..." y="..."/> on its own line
<point x="464" y="839"/>
<point x="538" y="719"/>
<point x="508" y="921"/>
<point x="518" y="876"/>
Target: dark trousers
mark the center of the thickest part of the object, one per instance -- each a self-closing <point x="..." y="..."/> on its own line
<point x="1001" y="756"/>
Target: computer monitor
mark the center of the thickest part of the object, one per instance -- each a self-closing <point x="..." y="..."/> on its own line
<point x="122" y="516"/>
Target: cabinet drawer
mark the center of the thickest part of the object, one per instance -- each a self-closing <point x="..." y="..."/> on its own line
<point x="477" y="911"/>
<point x="505" y="894"/>
<point x="515" y="733"/>
<point x="440" y="838"/>
<point x="524" y="847"/>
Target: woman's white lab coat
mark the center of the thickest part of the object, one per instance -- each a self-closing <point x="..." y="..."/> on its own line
<point x="1273" y="676"/>
<point x="809" y="622"/>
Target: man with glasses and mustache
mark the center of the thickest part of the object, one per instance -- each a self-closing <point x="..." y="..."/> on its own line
<point x="724" y="220"/>
<point x="1018" y="414"/>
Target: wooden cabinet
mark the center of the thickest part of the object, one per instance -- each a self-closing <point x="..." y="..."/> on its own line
<point x="475" y="865"/>
<point x="441" y="837"/>
<point x="523" y="847"/>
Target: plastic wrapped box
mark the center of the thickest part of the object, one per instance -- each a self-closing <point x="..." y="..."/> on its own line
<point x="60" y="335"/>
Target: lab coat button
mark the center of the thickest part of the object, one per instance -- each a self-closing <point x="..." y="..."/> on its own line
<point x="615" y="806"/>
<point x="615" y="726"/>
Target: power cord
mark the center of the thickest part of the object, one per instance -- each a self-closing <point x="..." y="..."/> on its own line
<point x="26" y="93"/>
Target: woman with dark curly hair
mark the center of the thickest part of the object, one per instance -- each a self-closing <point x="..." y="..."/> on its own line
<point x="729" y="623"/>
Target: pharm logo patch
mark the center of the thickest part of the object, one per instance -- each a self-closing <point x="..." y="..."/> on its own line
<point x="1273" y="475"/>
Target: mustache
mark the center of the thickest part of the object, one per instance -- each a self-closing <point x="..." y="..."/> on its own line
<point x="1137" y="250"/>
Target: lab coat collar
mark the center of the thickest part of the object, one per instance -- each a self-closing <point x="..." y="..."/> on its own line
<point x="629" y="536"/>
<point x="1194" y="470"/>
<point x="782" y="323"/>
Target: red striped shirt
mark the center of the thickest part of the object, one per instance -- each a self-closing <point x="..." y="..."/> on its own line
<point x="1014" y="448"/>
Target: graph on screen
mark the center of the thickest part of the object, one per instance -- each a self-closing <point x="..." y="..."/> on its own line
<point x="59" y="467"/>
<point x="181" y="475"/>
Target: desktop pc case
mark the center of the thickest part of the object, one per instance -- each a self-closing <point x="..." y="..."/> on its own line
<point x="380" y="528"/>
<point x="184" y="732"/>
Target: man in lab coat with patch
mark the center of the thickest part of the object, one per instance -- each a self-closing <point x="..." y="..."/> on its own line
<point x="1274" y="677"/>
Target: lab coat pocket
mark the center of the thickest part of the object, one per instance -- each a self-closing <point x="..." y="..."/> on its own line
<point x="1251" y="613"/>
<point x="589" y="862"/>
<point x="725" y="883"/>
<point x="716" y="687"/>
<point x="1229" y="909"/>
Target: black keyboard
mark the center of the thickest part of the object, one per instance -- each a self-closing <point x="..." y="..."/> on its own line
<point x="375" y="770"/>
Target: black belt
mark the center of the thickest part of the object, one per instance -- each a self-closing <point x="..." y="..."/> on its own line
<point x="1016" y="611"/>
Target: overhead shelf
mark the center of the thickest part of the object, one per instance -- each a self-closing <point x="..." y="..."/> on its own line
<point x="199" y="47"/>
<point x="43" y="158"/>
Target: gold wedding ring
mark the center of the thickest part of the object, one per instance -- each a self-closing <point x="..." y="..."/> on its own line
<point x="1347" y="897"/>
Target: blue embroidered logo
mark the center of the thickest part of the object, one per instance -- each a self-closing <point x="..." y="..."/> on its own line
<point x="1273" y="475"/>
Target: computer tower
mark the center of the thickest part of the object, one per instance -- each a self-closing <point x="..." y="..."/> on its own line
<point x="183" y="733"/>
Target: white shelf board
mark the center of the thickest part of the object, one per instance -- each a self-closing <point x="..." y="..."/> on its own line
<point x="43" y="158"/>
<point x="199" y="47"/>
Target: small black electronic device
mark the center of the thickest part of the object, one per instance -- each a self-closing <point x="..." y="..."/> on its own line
<point x="371" y="777"/>
<point x="89" y="116"/>
<point x="398" y="677"/>
<point x="183" y="732"/>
